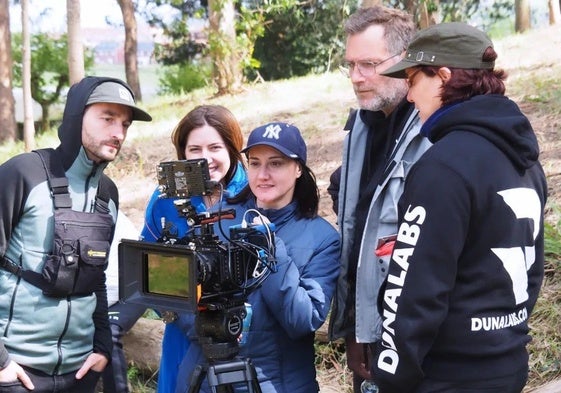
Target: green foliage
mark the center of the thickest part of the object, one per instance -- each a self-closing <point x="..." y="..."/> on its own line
<point x="458" y="10"/>
<point x="545" y="347"/>
<point x="483" y="13"/>
<point x="180" y="47"/>
<point x="10" y="149"/>
<point x="177" y="51"/>
<point x="302" y="39"/>
<point x="183" y="78"/>
<point x="49" y="68"/>
<point x="545" y="94"/>
<point x="552" y="232"/>
<point x="142" y="381"/>
<point x="500" y="29"/>
<point x="286" y="38"/>
<point x="49" y="65"/>
<point x="431" y="5"/>
<point x="498" y="11"/>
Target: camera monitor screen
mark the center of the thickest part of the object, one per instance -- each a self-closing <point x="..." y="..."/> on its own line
<point x="158" y="276"/>
<point x="184" y="178"/>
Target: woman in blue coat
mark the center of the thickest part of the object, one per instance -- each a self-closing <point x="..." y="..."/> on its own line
<point x="293" y="302"/>
<point x="211" y="132"/>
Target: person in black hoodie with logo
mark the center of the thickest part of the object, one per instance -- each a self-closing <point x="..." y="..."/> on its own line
<point x="467" y="266"/>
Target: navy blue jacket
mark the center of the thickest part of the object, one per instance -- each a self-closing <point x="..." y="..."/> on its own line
<point x="290" y="306"/>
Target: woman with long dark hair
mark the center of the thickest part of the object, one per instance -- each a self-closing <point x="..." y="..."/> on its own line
<point x="293" y="302"/>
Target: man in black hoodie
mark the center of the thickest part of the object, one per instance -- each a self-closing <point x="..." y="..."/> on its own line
<point x="467" y="266"/>
<point x="59" y="340"/>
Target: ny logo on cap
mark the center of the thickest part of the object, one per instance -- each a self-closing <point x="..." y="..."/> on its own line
<point x="125" y="94"/>
<point x="272" y="131"/>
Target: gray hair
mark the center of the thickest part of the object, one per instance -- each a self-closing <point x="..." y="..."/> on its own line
<point x="399" y="27"/>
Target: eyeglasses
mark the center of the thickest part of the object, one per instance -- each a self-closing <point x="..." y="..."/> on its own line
<point x="366" y="68"/>
<point x="411" y="75"/>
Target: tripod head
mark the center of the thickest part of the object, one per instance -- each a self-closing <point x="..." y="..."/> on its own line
<point x="219" y="330"/>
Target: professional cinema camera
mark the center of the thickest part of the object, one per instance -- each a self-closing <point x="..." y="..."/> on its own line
<point x="199" y="273"/>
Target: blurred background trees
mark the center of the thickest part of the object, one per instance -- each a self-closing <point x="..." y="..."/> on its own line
<point x="50" y="73"/>
<point x="8" y="125"/>
<point x="222" y="43"/>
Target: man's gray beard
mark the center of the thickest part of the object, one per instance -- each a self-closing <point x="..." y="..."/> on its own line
<point x="387" y="102"/>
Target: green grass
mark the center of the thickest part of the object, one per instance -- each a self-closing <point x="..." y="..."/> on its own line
<point x="46" y="139"/>
<point x="148" y="74"/>
<point x="545" y="347"/>
<point x="142" y="381"/>
<point x="545" y="92"/>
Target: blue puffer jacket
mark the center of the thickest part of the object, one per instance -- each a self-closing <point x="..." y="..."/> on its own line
<point x="175" y="340"/>
<point x="290" y="305"/>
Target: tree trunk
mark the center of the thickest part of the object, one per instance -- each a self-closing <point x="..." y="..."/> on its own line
<point x="429" y="16"/>
<point x="75" y="48"/>
<point x="28" y="118"/>
<point x="223" y="47"/>
<point x="131" y="43"/>
<point x="411" y="6"/>
<point x="554" y="12"/>
<point x="8" y="126"/>
<point x="45" y="119"/>
<point x="522" y="21"/>
<point x="143" y="344"/>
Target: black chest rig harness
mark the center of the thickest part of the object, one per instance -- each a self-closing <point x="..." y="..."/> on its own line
<point x="77" y="263"/>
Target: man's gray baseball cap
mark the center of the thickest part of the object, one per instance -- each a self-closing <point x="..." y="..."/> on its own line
<point x="115" y="93"/>
<point x="454" y="45"/>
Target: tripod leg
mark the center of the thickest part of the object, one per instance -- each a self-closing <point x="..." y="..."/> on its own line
<point x="256" y="387"/>
<point x="223" y="389"/>
<point x="197" y="379"/>
<point x="254" y="380"/>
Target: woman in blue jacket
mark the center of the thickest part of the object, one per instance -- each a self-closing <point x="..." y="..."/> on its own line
<point x="293" y="302"/>
<point x="211" y="132"/>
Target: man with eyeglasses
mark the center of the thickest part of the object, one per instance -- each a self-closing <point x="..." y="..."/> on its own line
<point x="382" y="144"/>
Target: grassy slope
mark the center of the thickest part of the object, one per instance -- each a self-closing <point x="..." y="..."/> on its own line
<point x="318" y="105"/>
<point x="535" y="73"/>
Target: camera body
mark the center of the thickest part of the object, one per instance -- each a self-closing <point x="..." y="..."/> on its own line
<point x="194" y="273"/>
<point x="198" y="273"/>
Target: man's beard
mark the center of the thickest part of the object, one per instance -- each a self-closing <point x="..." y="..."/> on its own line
<point x="388" y="100"/>
<point x="104" y="153"/>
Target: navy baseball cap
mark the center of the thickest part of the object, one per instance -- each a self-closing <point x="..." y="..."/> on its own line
<point x="284" y="137"/>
